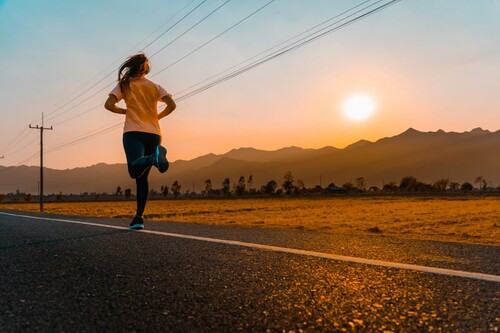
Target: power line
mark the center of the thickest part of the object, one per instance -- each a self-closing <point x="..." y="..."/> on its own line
<point x="271" y="48"/>
<point x="109" y="74"/>
<point x="297" y="44"/>
<point x="103" y="131"/>
<point x="21" y="148"/>
<point x="276" y="54"/>
<point x="79" y="114"/>
<point x="134" y="48"/>
<point x="114" y="71"/>
<point x="291" y="47"/>
<point x="84" y="137"/>
<point x="161" y="49"/>
<point x="214" y="38"/>
<point x="82" y="101"/>
<point x="170" y="28"/>
<point x="175" y="62"/>
<point x="190" y="28"/>
<point x="26" y="159"/>
<point x="261" y="61"/>
<point x="13" y="143"/>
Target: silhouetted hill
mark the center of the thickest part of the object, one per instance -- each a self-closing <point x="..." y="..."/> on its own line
<point x="428" y="156"/>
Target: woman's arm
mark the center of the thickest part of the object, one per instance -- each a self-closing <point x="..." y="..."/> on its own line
<point x="169" y="108"/>
<point x="111" y="105"/>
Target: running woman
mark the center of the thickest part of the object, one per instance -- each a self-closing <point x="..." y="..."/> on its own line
<point x="141" y="133"/>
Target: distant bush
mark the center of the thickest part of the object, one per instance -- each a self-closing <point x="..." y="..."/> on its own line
<point x="375" y="230"/>
<point x="466" y="187"/>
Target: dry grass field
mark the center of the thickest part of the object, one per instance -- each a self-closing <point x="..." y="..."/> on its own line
<point x="455" y="219"/>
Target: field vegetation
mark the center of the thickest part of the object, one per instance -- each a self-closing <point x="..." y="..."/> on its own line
<point x="455" y="219"/>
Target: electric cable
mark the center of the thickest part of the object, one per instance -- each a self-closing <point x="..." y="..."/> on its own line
<point x="114" y="71"/>
<point x="271" y="48"/>
<point x="214" y="38"/>
<point x="15" y="142"/>
<point x="285" y="50"/>
<point x="161" y="49"/>
<point x="297" y="44"/>
<point x="190" y="28"/>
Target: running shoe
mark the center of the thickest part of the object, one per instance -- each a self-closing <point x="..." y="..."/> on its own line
<point x="160" y="159"/>
<point x="137" y="223"/>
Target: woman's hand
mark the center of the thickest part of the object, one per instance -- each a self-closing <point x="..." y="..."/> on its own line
<point x="110" y="105"/>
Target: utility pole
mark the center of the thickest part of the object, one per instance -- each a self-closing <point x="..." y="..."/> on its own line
<point x="41" y="128"/>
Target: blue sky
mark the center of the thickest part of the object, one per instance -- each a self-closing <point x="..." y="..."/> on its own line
<point x="427" y="64"/>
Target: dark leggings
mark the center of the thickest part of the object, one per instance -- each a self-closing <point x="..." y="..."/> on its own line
<point x="138" y="148"/>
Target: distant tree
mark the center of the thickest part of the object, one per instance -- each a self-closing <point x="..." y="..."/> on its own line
<point x="59" y="197"/>
<point x="361" y="183"/>
<point x="483" y="184"/>
<point x="240" y="187"/>
<point x="423" y="187"/>
<point x="208" y="186"/>
<point x="270" y="187"/>
<point x="373" y="189"/>
<point x="466" y="187"/>
<point x="226" y="187"/>
<point x="301" y="187"/>
<point x="317" y="189"/>
<point x="408" y="183"/>
<point x="119" y="190"/>
<point x="28" y="198"/>
<point x="348" y="186"/>
<point x="2" y="197"/>
<point x="454" y="186"/>
<point x="390" y="187"/>
<point x="250" y="182"/>
<point x="164" y="191"/>
<point x="288" y="182"/>
<point x="175" y="188"/>
<point x="216" y="192"/>
<point x="442" y="184"/>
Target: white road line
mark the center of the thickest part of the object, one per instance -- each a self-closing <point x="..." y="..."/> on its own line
<point x="418" y="268"/>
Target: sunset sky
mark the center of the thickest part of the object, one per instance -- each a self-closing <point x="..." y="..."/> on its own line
<point x="424" y="64"/>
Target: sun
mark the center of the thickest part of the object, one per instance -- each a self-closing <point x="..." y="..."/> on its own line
<point x="358" y="107"/>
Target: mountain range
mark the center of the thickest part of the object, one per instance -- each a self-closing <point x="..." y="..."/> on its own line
<point x="428" y="156"/>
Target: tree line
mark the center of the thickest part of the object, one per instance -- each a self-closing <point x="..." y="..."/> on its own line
<point x="287" y="186"/>
<point x="290" y="186"/>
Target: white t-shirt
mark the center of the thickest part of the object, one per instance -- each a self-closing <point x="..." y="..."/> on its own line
<point x="141" y="100"/>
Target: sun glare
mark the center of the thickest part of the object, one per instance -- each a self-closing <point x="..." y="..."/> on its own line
<point x="358" y="107"/>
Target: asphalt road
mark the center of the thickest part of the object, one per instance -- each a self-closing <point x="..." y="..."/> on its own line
<point x="66" y="277"/>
